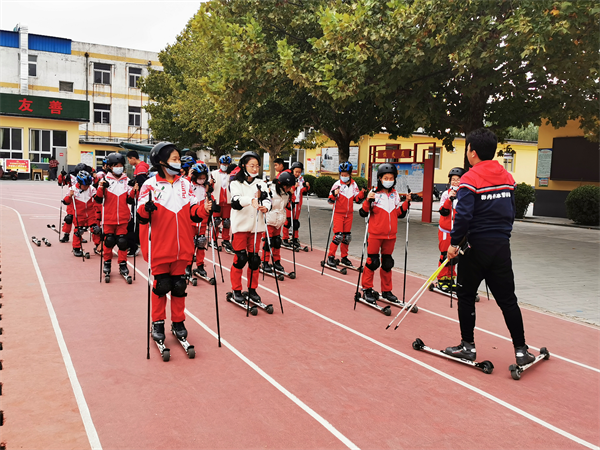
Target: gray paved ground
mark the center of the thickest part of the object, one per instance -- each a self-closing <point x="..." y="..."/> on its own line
<point x="557" y="268"/>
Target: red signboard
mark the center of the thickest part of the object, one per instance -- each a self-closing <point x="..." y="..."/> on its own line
<point x="394" y="154"/>
<point x="18" y="165"/>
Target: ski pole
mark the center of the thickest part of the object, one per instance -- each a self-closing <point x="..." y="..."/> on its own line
<point x="134" y="233"/>
<point x="273" y="259"/>
<point x="149" y="277"/>
<point x="215" y="243"/>
<point x="406" y="248"/>
<point x="62" y="185"/>
<point x="77" y="228"/>
<point x="486" y="289"/>
<point x="309" y="227"/>
<point x="408" y="306"/>
<point x="102" y="240"/>
<point x="362" y="256"/>
<point x="328" y="236"/>
<point x="210" y="237"/>
<point x="292" y="227"/>
<point x="253" y="251"/>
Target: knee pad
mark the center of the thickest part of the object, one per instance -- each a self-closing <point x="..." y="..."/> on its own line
<point x="276" y="241"/>
<point x="217" y="222"/>
<point x="373" y="262"/>
<point x="200" y="241"/>
<point x="179" y="285"/>
<point x="226" y="223"/>
<point x="241" y="258"/>
<point x="266" y="247"/>
<point x="347" y="238"/>
<point x="337" y="239"/>
<point x="387" y="262"/>
<point x="122" y="242"/>
<point x="69" y="219"/>
<point x="287" y="223"/>
<point x="254" y="261"/>
<point x="296" y="224"/>
<point x="162" y="284"/>
<point x="111" y="240"/>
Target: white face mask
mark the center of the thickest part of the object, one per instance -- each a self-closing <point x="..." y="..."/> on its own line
<point x="223" y="168"/>
<point x="118" y="171"/>
<point x="200" y="182"/>
<point x="387" y="184"/>
<point x="174" y="169"/>
<point x="345" y="179"/>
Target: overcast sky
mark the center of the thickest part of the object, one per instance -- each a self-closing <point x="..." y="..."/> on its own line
<point x="141" y="25"/>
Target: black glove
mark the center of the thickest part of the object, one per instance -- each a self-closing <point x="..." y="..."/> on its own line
<point x="103" y="184"/>
<point x="215" y="208"/>
<point x="287" y="223"/>
<point x="63" y="202"/>
<point x="150" y="207"/>
<point x="63" y="173"/>
<point x="131" y="182"/>
<point x="96" y="229"/>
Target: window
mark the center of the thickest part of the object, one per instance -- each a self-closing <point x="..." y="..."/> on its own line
<point x="134" y="75"/>
<point x="102" y="73"/>
<point x="135" y="116"/>
<point x="509" y="162"/>
<point x="436" y="157"/>
<point x="100" y="155"/>
<point x="11" y="140"/>
<point x="65" y="86"/>
<point x="43" y="143"/>
<point x="32" y="65"/>
<point x="101" y="113"/>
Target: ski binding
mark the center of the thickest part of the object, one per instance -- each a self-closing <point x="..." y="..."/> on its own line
<point x="385" y="310"/>
<point x="516" y="370"/>
<point x="485" y="366"/>
<point x="339" y="262"/>
<point x="261" y="305"/>
<point x="245" y="306"/>
<point x="434" y="288"/>
<point x="271" y="274"/>
<point x="342" y="270"/>
<point x="189" y="348"/>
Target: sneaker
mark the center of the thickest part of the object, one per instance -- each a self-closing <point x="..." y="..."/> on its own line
<point x="346" y="262"/>
<point x="331" y="262"/>
<point x="278" y="267"/>
<point x="465" y="350"/>
<point x="369" y="295"/>
<point x="266" y="267"/>
<point x="65" y="238"/>
<point x="389" y="296"/>
<point x="253" y="295"/>
<point x="523" y="356"/>
<point x="179" y="329"/>
<point x="158" y="330"/>
<point x="78" y="252"/>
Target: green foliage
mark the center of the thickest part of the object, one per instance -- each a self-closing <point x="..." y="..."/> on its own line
<point x="583" y="205"/>
<point x="527" y="133"/>
<point x="310" y="179"/>
<point x="323" y="185"/>
<point x="524" y="195"/>
<point x="361" y="182"/>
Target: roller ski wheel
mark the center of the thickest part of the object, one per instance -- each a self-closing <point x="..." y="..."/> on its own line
<point x="256" y="300"/>
<point x="165" y="353"/>
<point x="385" y="310"/>
<point x="36" y="241"/>
<point x="342" y="270"/>
<point x="53" y="228"/>
<point x="397" y="302"/>
<point x="517" y="370"/>
<point x="179" y="331"/>
<point x="87" y="255"/>
<point x="106" y="269"/>
<point x="241" y="303"/>
<point x="485" y="366"/>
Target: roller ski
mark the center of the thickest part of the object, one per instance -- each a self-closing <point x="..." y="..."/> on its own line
<point x="46" y="242"/>
<point x="444" y="288"/>
<point x="526" y="360"/>
<point x="226" y="245"/>
<point x="53" y="228"/>
<point x="124" y="271"/>
<point x="331" y="264"/>
<point x="369" y="298"/>
<point x="36" y="241"/>
<point x="463" y="353"/>
<point x="346" y="263"/>
<point x="189" y="276"/>
<point x="238" y="299"/>
<point x="254" y="298"/>
<point x="179" y="331"/>
<point x="391" y="299"/>
<point x="267" y="269"/>
<point x="201" y="273"/>
<point x="158" y="335"/>
<point x="79" y="253"/>
<point x="279" y="269"/>
<point x="106" y="269"/>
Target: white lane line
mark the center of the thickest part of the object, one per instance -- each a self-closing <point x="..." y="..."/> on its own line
<point x="84" y="411"/>
<point x="554" y="355"/>
<point x="328" y="426"/>
<point x="439" y="372"/>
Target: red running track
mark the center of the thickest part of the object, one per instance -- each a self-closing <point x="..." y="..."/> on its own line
<point x="322" y="375"/>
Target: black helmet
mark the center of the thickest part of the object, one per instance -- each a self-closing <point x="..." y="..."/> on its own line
<point x="84" y="178"/>
<point x="286" y="179"/>
<point x="458" y="171"/>
<point x="297" y="165"/>
<point x="115" y="158"/>
<point x="246" y="156"/>
<point x="187" y="162"/>
<point x="387" y="168"/>
<point x="160" y="152"/>
<point x="79" y="167"/>
<point x="345" y="167"/>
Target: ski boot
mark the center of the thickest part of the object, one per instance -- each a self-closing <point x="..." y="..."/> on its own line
<point x="253" y="297"/>
<point x="158" y="330"/>
<point x="199" y="271"/>
<point x="278" y="267"/>
<point x="227" y="246"/>
<point x="389" y="296"/>
<point x="286" y="243"/>
<point x="65" y="238"/>
<point x="124" y="271"/>
<point x="346" y="262"/>
<point x="266" y="267"/>
<point x="78" y="252"/>
<point x="252" y="294"/>
<point x="239" y="298"/>
<point x="444" y="285"/>
<point x="106" y="269"/>
<point x="178" y="329"/>
<point x="331" y="262"/>
<point x="369" y="296"/>
<point x="464" y="350"/>
<point x="522" y="356"/>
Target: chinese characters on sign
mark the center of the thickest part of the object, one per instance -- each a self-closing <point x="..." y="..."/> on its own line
<point x="25" y="105"/>
<point x="55" y="106"/>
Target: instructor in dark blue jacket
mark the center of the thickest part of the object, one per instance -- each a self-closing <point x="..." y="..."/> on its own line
<point x="485" y="213"/>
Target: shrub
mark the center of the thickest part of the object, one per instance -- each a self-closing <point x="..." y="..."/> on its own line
<point x="524" y="195"/>
<point x="361" y="182"/>
<point x="323" y="185"/>
<point x="311" y="180"/>
<point x="582" y="205"/>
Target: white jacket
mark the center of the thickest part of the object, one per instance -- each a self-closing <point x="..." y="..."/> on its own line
<point x="244" y="220"/>
<point x="221" y="182"/>
<point x="277" y="216"/>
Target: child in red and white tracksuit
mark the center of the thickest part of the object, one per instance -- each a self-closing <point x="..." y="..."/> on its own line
<point x="344" y="193"/>
<point x="386" y="208"/>
<point x="447" y="207"/>
<point x="302" y="187"/>
<point x="223" y="199"/>
<point x="66" y="179"/>
<point x="82" y="202"/>
<point x="247" y="224"/>
<point x="280" y="190"/>
<point x="200" y="185"/>
<point x="166" y="207"/>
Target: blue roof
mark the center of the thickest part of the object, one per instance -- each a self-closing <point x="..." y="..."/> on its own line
<point x="37" y="42"/>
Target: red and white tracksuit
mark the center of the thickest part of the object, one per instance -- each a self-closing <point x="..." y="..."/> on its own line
<point x="168" y="241"/>
<point x="115" y="210"/>
<point x="84" y="210"/>
<point x="244" y="223"/>
<point x="275" y="220"/>
<point x="444" y="230"/>
<point x="344" y="212"/>
<point x="387" y="208"/>
<point x="223" y="199"/>
<point x="68" y="180"/>
<point x="199" y="229"/>
<point x="297" y="200"/>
